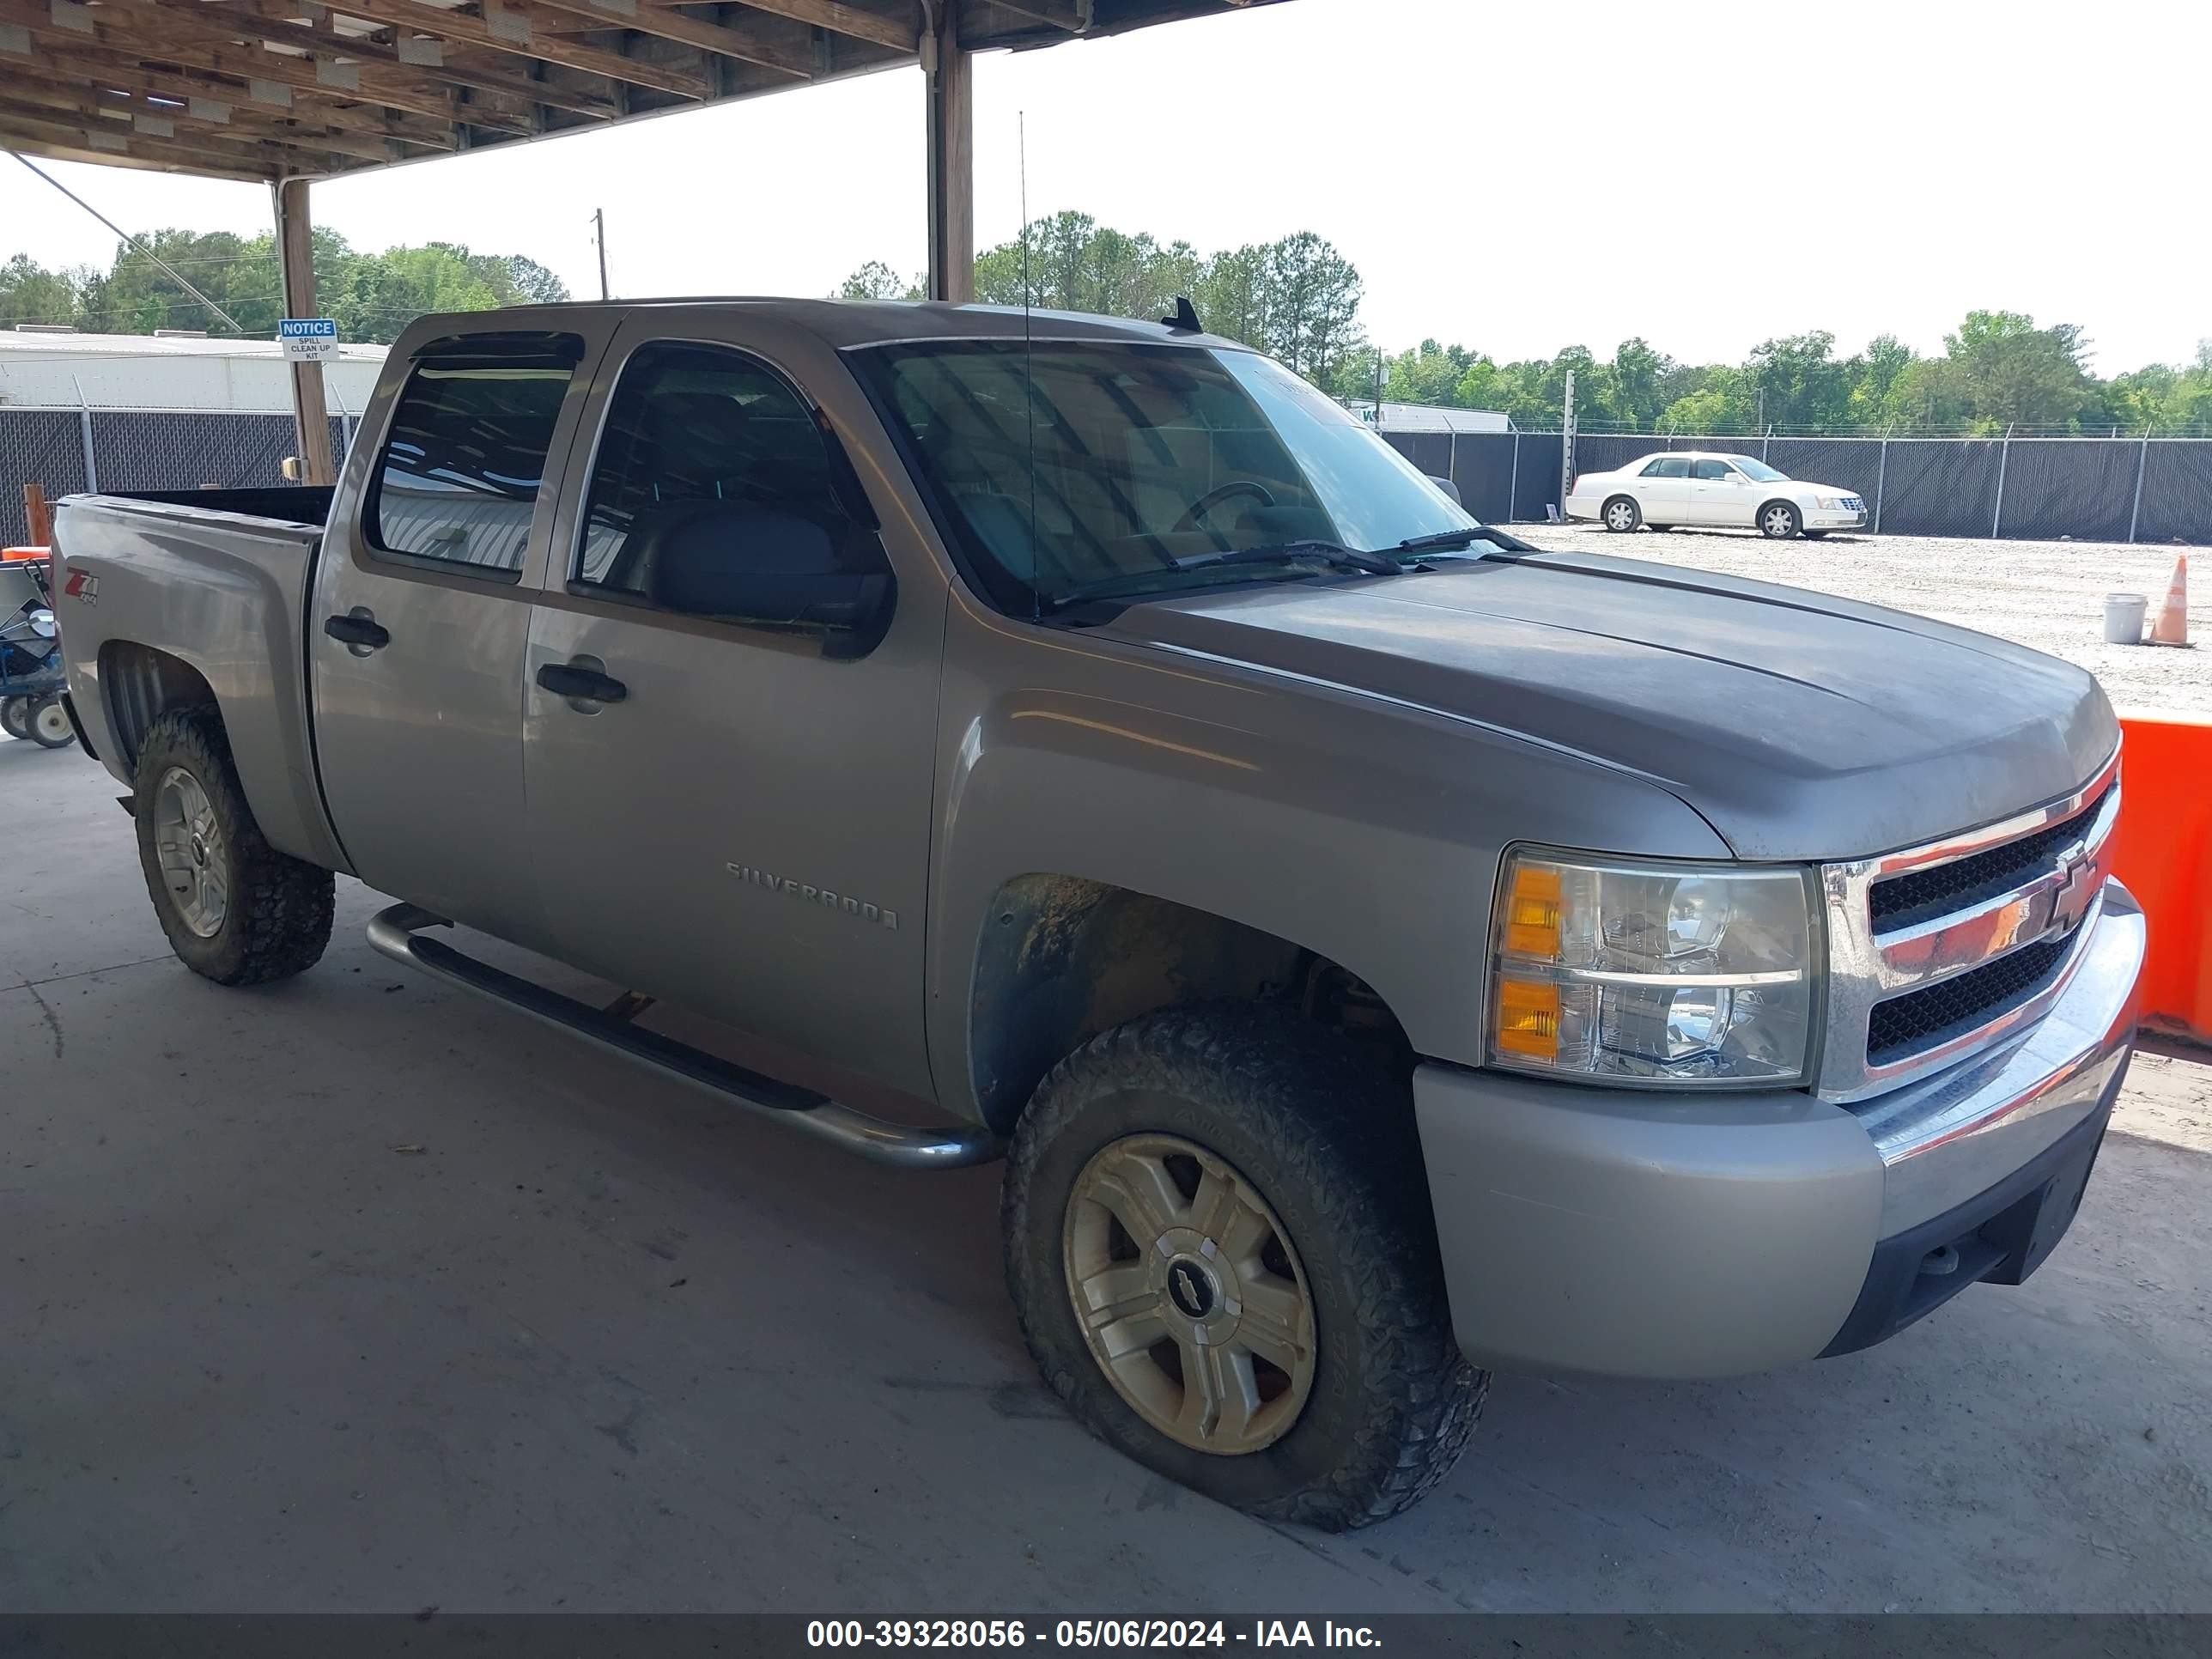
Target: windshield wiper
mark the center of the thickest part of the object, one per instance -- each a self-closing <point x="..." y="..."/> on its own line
<point x="1332" y="555"/>
<point x="1460" y="537"/>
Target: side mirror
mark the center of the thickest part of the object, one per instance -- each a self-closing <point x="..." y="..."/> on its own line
<point x="1449" y="488"/>
<point x="742" y="562"/>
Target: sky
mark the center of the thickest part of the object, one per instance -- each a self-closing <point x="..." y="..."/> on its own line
<point x="1512" y="177"/>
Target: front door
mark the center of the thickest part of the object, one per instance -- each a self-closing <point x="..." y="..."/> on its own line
<point x="1719" y="494"/>
<point x="420" y="622"/>
<point x="740" y="822"/>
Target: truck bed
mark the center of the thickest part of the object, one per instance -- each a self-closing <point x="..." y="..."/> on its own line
<point x="205" y="583"/>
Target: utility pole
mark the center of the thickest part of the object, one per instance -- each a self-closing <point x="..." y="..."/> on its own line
<point x="1378" y="388"/>
<point x="599" y="235"/>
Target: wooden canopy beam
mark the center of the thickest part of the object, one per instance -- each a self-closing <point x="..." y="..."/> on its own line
<point x="73" y="147"/>
<point x="89" y="136"/>
<point x="666" y="23"/>
<point x="511" y="30"/>
<point x="840" y="18"/>
<point x="226" y="102"/>
<point x="326" y="50"/>
<point x="161" y="121"/>
<point x="115" y="35"/>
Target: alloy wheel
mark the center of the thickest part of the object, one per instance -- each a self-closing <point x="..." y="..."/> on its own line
<point x="1189" y="1293"/>
<point x="190" y="845"/>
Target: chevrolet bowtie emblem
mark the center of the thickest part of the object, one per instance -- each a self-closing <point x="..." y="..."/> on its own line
<point x="2077" y="889"/>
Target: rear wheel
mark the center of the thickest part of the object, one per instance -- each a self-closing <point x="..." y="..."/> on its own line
<point x="16" y="716"/>
<point x="235" y="910"/>
<point x="49" y="724"/>
<point x="1621" y="514"/>
<point x="1219" y="1246"/>
<point x="1778" y="521"/>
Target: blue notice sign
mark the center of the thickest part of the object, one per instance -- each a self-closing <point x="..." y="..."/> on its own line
<point x="308" y="339"/>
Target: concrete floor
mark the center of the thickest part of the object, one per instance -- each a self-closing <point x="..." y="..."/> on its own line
<point x="354" y="1294"/>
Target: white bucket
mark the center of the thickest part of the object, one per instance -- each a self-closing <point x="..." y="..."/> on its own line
<point x="2124" y="618"/>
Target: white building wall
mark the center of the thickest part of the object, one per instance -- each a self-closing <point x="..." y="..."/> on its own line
<point x="40" y="372"/>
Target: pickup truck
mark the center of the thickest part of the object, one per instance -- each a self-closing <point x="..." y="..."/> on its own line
<point x="1382" y="951"/>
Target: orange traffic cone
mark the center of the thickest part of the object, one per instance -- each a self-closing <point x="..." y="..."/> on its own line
<point x="2172" y="627"/>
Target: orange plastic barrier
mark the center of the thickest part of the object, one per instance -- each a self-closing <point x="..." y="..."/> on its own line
<point x="2163" y="852"/>
<point x="17" y="554"/>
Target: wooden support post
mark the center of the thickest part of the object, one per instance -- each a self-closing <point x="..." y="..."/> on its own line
<point x="38" y="522"/>
<point x="295" y="248"/>
<point x="949" y="80"/>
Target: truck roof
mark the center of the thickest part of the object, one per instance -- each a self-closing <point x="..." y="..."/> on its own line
<point x="837" y="322"/>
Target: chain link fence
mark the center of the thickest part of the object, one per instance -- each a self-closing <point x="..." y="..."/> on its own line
<point x="2115" y="489"/>
<point x="66" y="451"/>
<point x="2105" y="489"/>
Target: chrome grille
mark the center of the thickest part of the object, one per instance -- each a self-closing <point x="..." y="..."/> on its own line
<point x="1937" y="951"/>
<point x="1900" y="901"/>
<point x="1911" y="1022"/>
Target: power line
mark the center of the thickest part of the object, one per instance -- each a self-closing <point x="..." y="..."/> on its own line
<point x="129" y="238"/>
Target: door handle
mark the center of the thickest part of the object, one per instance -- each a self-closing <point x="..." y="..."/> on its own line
<point x="359" y="629"/>
<point x="565" y="680"/>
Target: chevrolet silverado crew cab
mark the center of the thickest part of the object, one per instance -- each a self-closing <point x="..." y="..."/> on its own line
<point x="1382" y="951"/>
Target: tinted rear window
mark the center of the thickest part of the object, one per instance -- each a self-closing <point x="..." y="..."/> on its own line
<point x="464" y="461"/>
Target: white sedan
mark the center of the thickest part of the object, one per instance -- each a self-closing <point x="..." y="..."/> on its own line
<point x="1700" y="487"/>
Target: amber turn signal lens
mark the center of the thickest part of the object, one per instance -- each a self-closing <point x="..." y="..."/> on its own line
<point x="1532" y="912"/>
<point x="1528" y="1021"/>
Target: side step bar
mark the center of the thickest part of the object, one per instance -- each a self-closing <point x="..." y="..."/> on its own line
<point x="393" y="930"/>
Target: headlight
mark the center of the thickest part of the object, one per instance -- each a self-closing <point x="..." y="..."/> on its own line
<point x="1658" y="974"/>
<point x="1828" y="503"/>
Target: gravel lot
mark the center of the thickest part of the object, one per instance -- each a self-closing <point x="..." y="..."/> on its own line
<point x="2050" y="595"/>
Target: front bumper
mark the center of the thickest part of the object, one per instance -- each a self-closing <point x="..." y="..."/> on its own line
<point x="1636" y="1234"/>
<point x="1821" y="519"/>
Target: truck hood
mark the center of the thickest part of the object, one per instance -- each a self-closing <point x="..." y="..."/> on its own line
<point x="1800" y="726"/>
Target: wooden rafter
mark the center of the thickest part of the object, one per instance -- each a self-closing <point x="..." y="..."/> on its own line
<point x="511" y="29"/>
<point x="181" y="121"/>
<point x="248" y="103"/>
<point x="113" y="31"/>
<point x="40" y="139"/>
<point x="903" y="31"/>
<point x="749" y="45"/>
<point x="347" y="58"/>
<point x="94" y="135"/>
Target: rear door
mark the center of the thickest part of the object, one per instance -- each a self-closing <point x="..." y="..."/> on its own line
<point x="420" y="622"/>
<point x="1663" y="490"/>
<point x="1719" y="494"/>
<point x="745" y="827"/>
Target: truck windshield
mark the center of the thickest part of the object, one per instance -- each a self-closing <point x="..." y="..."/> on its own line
<point x="1082" y="466"/>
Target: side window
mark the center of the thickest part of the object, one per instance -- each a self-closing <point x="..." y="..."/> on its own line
<point x="1653" y="469"/>
<point x="1673" y="467"/>
<point x="709" y="460"/>
<point x="1709" y="469"/>
<point x="464" y="457"/>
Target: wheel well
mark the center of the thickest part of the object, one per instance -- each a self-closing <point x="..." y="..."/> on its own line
<point x="1061" y="958"/>
<point x="139" y="685"/>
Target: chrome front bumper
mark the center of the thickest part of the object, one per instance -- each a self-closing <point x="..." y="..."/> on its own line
<point x="1642" y="1235"/>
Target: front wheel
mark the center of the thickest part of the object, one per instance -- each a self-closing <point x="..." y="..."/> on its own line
<point x="16" y="716"/>
<point x="1778" y="521"/>
<point x="1221" y="1249"/>
<point x="49" y="725"/>
<point x="236" y="910"/>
